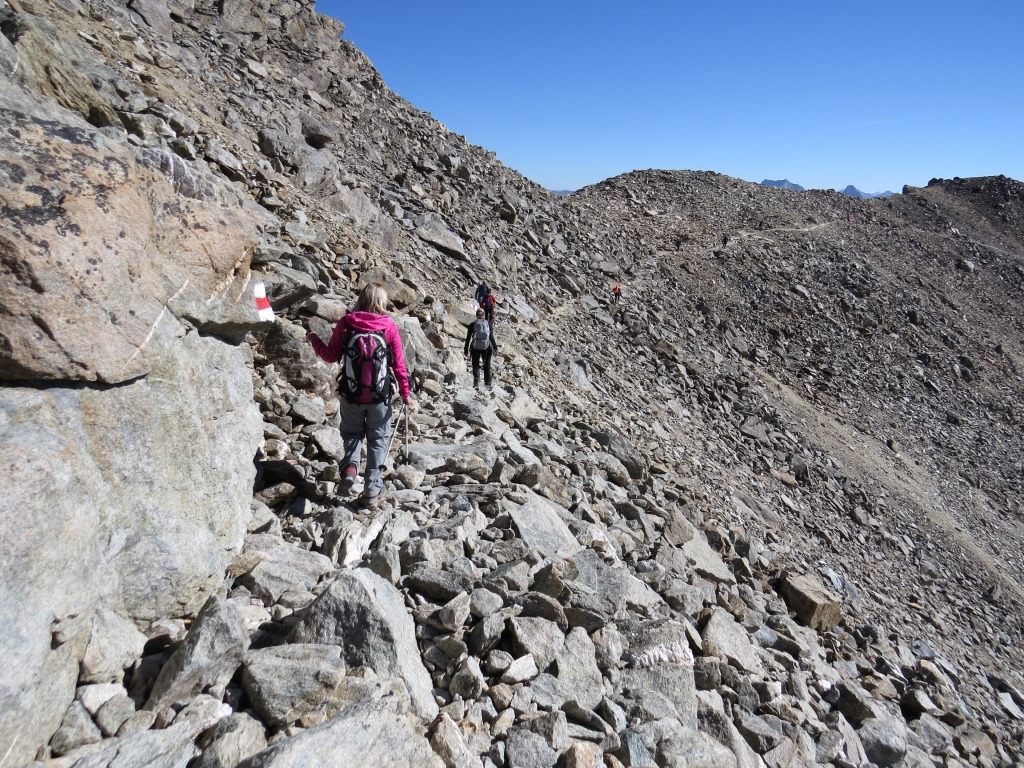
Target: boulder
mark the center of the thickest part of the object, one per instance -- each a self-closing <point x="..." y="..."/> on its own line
<point x="814" y="605"/>
<point x="616" y="585"/>
<point x="167" y="748"/>
<point x="578" y="677"/>
<point x="123" y="308"/>
<point x="434" y="231"/>
<point x="209" y="655"/>
<point x="306" y="684"/>
<point x="660" y="660"/>
<point x="230" y="741"/>
<point x="419" y="352"/>
<point x="541" y="527"/>
<point x="463" y="458"/>
<point x="371" y="732"/>
<point x="623" y="450"/>
<point x="104" y="518"/>
<point x="724" y="633"/>
<point x="279" y="567"/>
<point x="289" y="681"/>
<point x="366" y="616"/>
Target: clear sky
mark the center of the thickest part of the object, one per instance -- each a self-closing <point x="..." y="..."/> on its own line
<point x="825" y="94"/>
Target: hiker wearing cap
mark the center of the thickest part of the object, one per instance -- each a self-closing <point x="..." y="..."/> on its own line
<point x="479" y="344"/>
<point x="369" y="347"/>
<point x="616" y="294"/>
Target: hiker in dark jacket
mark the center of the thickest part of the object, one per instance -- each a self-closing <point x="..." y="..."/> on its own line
<point x="365" y="413"/>
<point x="482" y="290"/>
<point x="480" y="343"/>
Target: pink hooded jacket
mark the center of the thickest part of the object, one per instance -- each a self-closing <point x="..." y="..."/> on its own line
<point x="366" y="321"/>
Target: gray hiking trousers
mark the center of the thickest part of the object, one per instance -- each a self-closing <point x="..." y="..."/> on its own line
<point x="372" y="421"/>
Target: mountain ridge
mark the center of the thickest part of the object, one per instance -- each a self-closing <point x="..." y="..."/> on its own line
<point x="850" y="190"/>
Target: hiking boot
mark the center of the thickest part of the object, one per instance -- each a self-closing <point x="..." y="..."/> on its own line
<point x="372" y="500"/>
<point x="348" y="478"/>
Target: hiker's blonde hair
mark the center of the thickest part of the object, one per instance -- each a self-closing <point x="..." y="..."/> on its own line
<point x="373" y="298"/>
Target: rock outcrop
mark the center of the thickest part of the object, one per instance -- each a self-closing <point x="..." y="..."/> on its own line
<point x="128" y="429"/>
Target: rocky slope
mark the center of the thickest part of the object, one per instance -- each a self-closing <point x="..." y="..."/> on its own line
<point x="764" y="511"/>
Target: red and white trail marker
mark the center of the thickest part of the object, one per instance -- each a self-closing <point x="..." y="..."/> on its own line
<point x="263" y="308"/>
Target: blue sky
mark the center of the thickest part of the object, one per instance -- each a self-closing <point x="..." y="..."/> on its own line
<point x="874" y="94"/>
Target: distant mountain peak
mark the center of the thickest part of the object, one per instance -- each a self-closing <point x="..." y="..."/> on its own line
<point x="783" y="184"/>
<point x="852" y="191"/>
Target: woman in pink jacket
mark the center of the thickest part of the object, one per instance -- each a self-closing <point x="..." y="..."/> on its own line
<point x="369" y="347"/>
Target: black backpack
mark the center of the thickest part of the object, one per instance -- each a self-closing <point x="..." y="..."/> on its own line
<point x="365" y="375"/>
<point x="481" y="334"/>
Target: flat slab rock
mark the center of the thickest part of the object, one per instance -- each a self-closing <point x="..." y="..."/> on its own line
<point x="731" y="639"/>
<point x="616" y="584"/>
<point x="542" y="529"/>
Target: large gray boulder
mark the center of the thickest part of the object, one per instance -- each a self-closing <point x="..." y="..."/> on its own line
<point x="623" y="450"/>
<point x="578" y="677"/>
<point x="289" y="682"/>
<point x="476" y="457"/>
<point x="230" y="741"/>
<point x="616" y="585"/>
<point x="132" y="499"/>
<point x="372" y="732"/>
<point x="366" y="616"/>
<point x="280" y="566"/>
<point x="167" y="748"/>
<point x="92" y="285"/>
<point x="732" y="641"/>
<point x="131" y="476"/>
<point x="419" y="352"/>
<point x="436" y="232"/>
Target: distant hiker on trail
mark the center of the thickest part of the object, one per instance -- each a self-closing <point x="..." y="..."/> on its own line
<point x="487" y="303"/>
<point x="369" y="347"/>
<point x="480" y="343"/>
<point x="616" y="294"/>
<point x="482" y="290"/>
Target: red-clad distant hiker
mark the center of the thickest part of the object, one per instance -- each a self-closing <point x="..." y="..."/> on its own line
<point x="487" y="305"/>
<point x="480" y="344"/>
<point x="616" y="294"/>
<point x="369" y="347"/>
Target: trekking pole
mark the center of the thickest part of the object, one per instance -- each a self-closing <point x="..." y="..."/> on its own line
<point x="394" y="432"/>
<point x="406" y="434"/>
